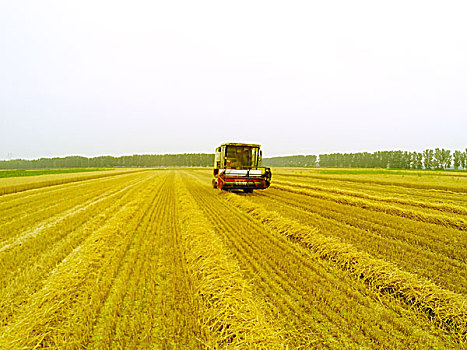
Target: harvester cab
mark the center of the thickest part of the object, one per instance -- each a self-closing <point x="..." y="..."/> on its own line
<point x="237" y="166"/>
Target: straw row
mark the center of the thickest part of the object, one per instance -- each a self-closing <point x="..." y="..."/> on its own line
<point x="229" y="314"/>
<point x="62" y="312"/>
<point x="442" y="207"/>
<point x="445" y="308"/>
<point x="19" y="184"/>
<point x="437" y="219"/>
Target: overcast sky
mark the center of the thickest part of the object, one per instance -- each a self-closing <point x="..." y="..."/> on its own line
<point x="300" y="77"/>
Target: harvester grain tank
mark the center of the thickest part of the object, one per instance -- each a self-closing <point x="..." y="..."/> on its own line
<point x="237" y="166"/>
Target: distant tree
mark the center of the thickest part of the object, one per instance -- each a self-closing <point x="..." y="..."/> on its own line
<point x="323" y="160"/>
<point x="310" y="160"/>
<point x="395" y="160"/>
<point x="457" y="159"/>
<point x="446" y="158"/>
<point x="418" y="160"/>
<point x="144" y="160"/>
<point x="428" y="158"/>
<point x="438" y="159"/>
<point x="384" y="159"/>
<point x="464" y="159"/>
<point x="406" y="160"/>
<point x="442" y="158"/>
<point x="294" y="161"/>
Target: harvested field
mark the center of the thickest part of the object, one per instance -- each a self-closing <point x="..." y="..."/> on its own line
<point x="159" y="259"/>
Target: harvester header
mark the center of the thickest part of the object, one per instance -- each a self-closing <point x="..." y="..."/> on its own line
<point x="237" y="166"/>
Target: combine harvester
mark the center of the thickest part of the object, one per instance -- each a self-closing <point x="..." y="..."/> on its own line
<point x="236" y="167"/>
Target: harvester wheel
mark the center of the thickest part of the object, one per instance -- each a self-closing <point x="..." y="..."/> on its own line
<point x="214" y="183"/>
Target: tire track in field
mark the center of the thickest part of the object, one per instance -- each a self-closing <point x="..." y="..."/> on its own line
<point x="283" y="289"/>
<point x="381" y="224"/>
<point x="231" y="316"/>
<point x="446" y="309"/>
<point x="328" y="210"/>
<point x="434" y="197"/>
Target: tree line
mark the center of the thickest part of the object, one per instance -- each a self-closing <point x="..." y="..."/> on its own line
<point x="293" y="161"/>
<point x="136" y="160"/>
<point x="438" y="158"/>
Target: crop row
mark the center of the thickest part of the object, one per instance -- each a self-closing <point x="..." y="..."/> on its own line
<point x="150" y="299"/>
<point x="19" y="184"/>
<point x="316" y="301"/>
<point x="53" y="299"/>
<point x="445" y="308"/>
<point x="129" y="262"/>
<point x="390" y="192"/>
<point x="435" y="252"/>
<point x="438" y="219"/>
<point x="378" y="197"/>
<point x="424" y="249"/>
<point x="426" y="181"/>
<point x="229" y="315"/>
<point x="158" y="259"/>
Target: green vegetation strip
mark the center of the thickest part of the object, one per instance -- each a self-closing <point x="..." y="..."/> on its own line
<point x="411" y="172"/>
<point x="21" y="173"/>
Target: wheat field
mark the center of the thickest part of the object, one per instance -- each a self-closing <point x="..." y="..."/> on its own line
<point x="158" y="259"/>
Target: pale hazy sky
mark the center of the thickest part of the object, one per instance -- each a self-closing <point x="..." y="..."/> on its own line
<point x="300" y="77"/>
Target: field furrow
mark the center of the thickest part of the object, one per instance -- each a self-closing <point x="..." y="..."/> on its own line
<point x="27" y="245"/>
<point x="65" y="214"/>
